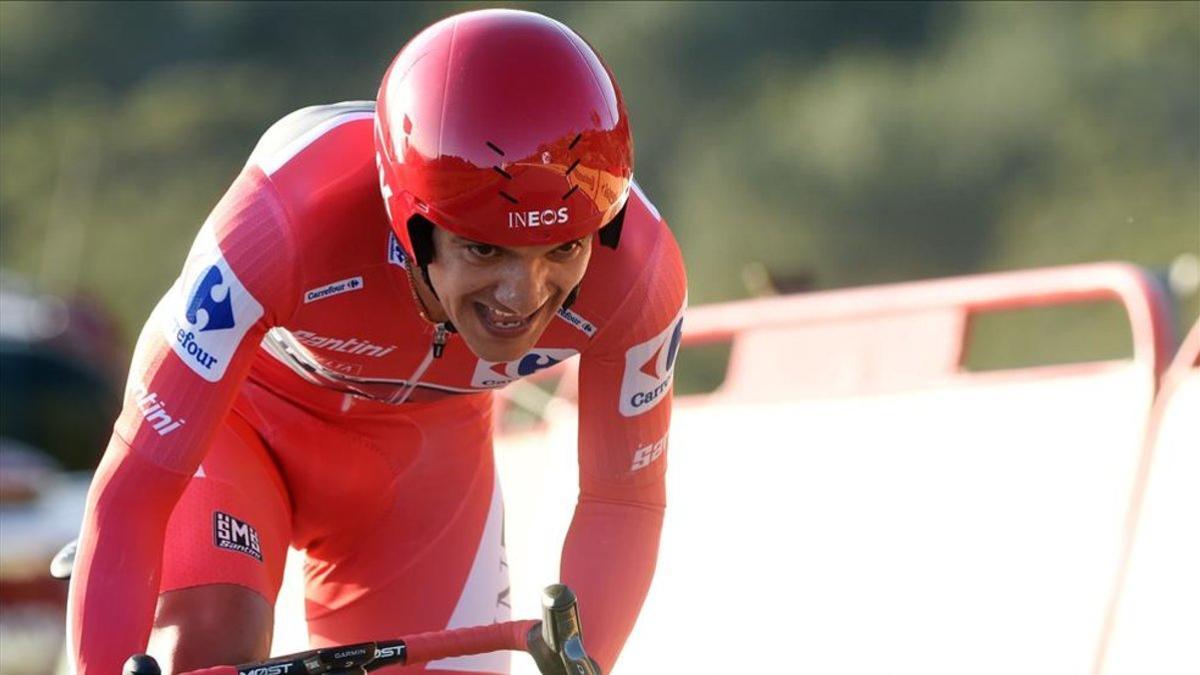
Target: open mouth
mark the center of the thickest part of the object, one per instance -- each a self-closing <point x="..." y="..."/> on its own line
<point x="504" y="324"/>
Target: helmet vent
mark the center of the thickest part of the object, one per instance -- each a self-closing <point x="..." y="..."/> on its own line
<point x="493" y="147"/>
<point x="571" y="168"/>
<point x="570" y="192"/>
<point x="502" y="172"/>
<point x="572" y="145"/>
<point x="508" y="196"/>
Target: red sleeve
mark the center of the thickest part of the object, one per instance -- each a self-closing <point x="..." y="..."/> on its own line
<point x="239" y="279"/>
<point x="625" y="412"/>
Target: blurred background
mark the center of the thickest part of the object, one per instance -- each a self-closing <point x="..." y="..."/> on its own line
<point x="835" y="144"/>
<point x="792" y="148"/>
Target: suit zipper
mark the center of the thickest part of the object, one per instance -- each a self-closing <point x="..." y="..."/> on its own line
<point x="440" y="335"/>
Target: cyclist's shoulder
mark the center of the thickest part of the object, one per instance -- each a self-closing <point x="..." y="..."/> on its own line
<point x="320" y="153"/>
<point x="645" y="232"/>
<point x="645" y="244"/>
<point x="311" y="128"/>
<point x="644" y="264"/>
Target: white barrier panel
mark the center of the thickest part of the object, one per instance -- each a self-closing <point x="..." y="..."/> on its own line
<point x="967" y="529"/>
<point x="1157" y="628"/>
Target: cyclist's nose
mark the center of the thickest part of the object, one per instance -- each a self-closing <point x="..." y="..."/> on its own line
<point x="523" y="287"/>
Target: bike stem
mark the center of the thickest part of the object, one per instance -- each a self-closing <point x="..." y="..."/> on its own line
<point x="562" y="629"/>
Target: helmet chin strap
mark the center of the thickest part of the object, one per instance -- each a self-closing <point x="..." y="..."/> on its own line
<point x="420" y="233"/>
<point x="428" y="281"/>
<point x="421" y="308"/>
<point x="572" y="296"/>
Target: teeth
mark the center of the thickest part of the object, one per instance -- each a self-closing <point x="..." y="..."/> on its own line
<point x="504" y="319"/>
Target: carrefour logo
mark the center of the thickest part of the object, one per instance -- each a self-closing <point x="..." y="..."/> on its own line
<point x="492" y="374"/>
<point x="649" y="369"/>
<point x="210" y="308"/>
<point x="396" y="254"/>
<point x="207" y="312"/>
<point x="587" y="327"/>
<point x="335" y="288"/>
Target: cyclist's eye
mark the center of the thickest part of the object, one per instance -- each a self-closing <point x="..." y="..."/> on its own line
<point x="482" y="250"/>
<point x="568" y="248"/>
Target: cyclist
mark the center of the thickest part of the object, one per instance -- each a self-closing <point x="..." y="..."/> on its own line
<point x="321" y="373"/>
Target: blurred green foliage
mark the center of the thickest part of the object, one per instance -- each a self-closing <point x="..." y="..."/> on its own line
<point x="856" y="142"/>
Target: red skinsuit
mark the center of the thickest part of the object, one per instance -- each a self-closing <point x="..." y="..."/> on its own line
<point x="229" y="450"/>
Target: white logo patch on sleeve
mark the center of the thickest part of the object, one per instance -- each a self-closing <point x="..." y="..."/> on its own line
<point x="649" y="368"/>
<point x="207" y="312"/>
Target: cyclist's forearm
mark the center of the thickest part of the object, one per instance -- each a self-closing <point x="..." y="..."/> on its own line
<point x="114" y="586"/>
<point x="608" y="559"/>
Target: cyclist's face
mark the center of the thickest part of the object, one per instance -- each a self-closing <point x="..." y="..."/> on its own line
<point x="502" y="299"/>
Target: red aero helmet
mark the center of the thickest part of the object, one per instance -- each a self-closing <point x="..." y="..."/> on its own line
<point x="503" y="127"/>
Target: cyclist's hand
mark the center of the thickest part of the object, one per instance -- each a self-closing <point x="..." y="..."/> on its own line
<point x="547" y="661"/>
